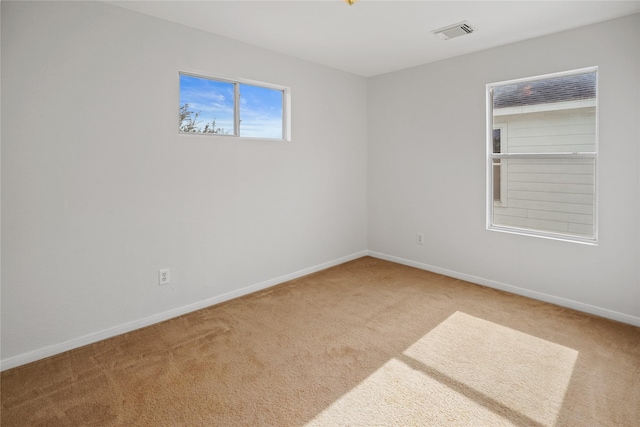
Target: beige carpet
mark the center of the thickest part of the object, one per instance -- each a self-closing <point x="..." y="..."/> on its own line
<point x="367" y="343"/>
<point x="466" y="371"/>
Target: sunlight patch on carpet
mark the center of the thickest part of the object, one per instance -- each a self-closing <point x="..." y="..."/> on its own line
<point x="466" y="371"/>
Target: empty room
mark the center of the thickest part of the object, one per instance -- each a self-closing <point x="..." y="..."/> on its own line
<point x="320" y="213"/>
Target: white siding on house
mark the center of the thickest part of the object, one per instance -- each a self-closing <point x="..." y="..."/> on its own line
<point x="551" y="131"/>
<point x="556" y="195"/>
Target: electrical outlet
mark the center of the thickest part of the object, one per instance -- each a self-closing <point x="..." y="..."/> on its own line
<point x="164" y="276"/>
<point x="420" y="239"/>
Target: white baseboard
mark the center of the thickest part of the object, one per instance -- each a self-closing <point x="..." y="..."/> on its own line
<point x="52" y="350"/>
<point x="591" y="309"/>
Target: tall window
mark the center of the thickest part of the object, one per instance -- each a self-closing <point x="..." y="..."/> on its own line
<point x="542" y="155"/>
<point x="234" y="108"/>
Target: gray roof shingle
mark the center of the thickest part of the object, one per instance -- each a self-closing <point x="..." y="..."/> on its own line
<point x="556" y="89"/>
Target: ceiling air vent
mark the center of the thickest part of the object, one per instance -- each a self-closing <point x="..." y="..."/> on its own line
<point x="455" y="30"/>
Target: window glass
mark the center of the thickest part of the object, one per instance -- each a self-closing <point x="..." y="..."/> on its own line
<point x="206" y="106"/>
<point x="543" y="170"/>
<point x="497" y="166"/>
<point x="260" y="112"/>
<point x="232" y="107"/>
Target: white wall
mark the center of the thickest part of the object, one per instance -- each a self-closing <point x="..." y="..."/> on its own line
<point x="99" y="191"/>
<point x="427" y="172"/>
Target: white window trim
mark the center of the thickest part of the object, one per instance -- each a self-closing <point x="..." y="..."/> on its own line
<point x="490" y="156"/>
<point x="286" y="105"/>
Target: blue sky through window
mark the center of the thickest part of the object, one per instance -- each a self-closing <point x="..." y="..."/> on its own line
<point x="261" y="108"/>
<point x="212" y="99"/>
<point x="260" y="112"/>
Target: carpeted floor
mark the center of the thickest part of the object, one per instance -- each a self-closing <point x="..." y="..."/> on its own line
<point x="365" y="343"/>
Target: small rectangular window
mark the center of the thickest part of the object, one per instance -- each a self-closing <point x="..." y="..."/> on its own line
<point x="237" y="108"/>
<point x="542" y="156"/>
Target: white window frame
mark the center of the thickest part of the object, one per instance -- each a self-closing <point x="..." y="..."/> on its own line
<point x="286" y="105"/>
<point x="490" y="156"/>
